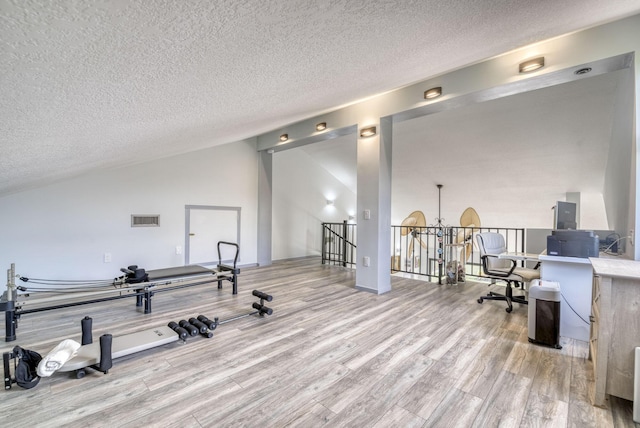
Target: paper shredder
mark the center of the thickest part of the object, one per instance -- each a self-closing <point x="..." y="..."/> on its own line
<point x="544" y="313"/>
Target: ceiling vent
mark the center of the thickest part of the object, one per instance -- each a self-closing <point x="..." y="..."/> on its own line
<point x="138" y="220"/>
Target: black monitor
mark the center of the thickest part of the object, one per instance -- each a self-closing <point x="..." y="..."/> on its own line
<point x="565" y="215"/>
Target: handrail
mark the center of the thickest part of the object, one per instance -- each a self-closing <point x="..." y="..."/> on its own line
<point x="338" y="243"/>
<point x="431" y="252"/>
<point x="339" y="236"/>
<point x="431" y="249"/>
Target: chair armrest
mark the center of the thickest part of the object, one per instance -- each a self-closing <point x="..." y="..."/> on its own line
<point x="497" y="273"/>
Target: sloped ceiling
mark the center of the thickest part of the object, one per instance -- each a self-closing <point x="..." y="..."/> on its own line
<point x="94" y="84"/>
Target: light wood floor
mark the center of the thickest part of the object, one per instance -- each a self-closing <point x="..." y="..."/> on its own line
<point x="422" y="355"/>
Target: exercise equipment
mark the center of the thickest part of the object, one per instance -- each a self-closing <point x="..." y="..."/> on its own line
<point x="211" y="325"/>
<point x="25" y="364"/>
<point x="100" y="356"/>
<point x="193" y="330"/>
<point x="39" y="295"/>
<point x="181" y="332"/>
<point x="199" y="324"/>
<point x="260" y="308"/>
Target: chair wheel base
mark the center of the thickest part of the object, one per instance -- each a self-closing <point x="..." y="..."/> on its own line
<point x="508" y="310"/>
<point x="480" y="300"/>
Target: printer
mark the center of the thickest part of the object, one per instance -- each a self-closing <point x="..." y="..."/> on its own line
<point x="573" y="243"/>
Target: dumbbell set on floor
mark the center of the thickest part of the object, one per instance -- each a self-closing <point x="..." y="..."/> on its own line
<point x="194" y="326"/>
<point x="205" y="327"/>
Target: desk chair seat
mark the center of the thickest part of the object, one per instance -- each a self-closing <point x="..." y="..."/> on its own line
<point x="491" y="244"/>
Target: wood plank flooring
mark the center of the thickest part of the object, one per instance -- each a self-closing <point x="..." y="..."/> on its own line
<point x="422" y="355"/>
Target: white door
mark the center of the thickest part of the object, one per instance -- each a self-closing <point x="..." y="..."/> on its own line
<point x="205" y="226"/>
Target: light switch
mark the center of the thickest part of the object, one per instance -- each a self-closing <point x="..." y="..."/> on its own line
<point x="367" y="214"/>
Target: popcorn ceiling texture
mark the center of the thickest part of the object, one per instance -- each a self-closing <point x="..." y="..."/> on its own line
<point x="104" y="83"/>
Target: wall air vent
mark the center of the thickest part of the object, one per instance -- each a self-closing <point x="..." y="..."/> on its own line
<point x="139" y="220"/>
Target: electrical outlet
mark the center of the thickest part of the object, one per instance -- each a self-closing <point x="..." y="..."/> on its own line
<point x="178" y="249"/>
<point x="107" y="257"/>
<point x="366" y="261"/>
<point x="367" y="214"/>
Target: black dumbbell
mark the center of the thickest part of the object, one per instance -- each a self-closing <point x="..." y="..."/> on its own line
<point x="202" y="327"/>
<point x="182" y="333"/>
<point x="210" y="324"/>
<point x="193" y="330"/>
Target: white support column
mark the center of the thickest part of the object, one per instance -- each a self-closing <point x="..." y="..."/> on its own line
<point x="374" y="210"/>
<point x="265" y="198"/>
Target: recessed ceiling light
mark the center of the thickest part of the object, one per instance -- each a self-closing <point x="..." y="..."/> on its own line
<point x="583" y="70"/>
<point x="369" y="131"/>
<point x="433" y="93"/>
<point x="321" y="126"/>
<point x="531" y="65"/>
<point x="284" y="137"/>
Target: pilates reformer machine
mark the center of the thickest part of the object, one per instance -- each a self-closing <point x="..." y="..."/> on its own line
<point x="71" y="356"/>
<point x="37" y="295"/>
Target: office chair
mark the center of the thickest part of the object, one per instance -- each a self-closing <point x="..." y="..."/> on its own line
<point x="491" y="244"/>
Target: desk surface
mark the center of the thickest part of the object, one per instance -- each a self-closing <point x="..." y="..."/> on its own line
<point x="519" y="256"/>
<point x="620" y="268"/>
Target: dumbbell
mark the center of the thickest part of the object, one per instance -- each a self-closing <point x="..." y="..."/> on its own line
<point x="263" y="296"/>
<point x="202" y="327"/>
<point x="210" y="324"/>
<point x="182" y="333"/>
<point x="193" y="330"/>
<point x="262" y="309"/>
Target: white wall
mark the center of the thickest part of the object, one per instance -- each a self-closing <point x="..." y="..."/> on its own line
<point x="62" y="231"/>
<point x="511" y="159"/>
<point x="301" y="187"/>
<point x="617" y="185"/>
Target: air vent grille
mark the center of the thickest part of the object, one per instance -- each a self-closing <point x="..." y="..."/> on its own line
<point x="138" y="220"/>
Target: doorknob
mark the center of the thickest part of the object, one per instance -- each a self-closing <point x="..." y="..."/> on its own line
<point x="192" y="234"/>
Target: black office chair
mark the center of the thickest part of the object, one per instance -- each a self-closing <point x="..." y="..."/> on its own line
<point x="491" y="244"/>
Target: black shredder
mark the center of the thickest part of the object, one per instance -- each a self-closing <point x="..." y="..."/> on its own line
<point x="544" y="313"/>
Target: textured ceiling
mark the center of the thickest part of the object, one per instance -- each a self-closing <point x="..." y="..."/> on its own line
<point x="96" y="83"/>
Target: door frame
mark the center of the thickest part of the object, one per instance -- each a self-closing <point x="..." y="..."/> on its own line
<point x="187" y="226"/>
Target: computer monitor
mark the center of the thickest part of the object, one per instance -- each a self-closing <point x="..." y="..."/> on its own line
<point x="565" y="215"/>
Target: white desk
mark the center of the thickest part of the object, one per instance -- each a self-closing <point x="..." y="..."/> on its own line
<point x="575" y="276"/>
<point x="520" y="256"/>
